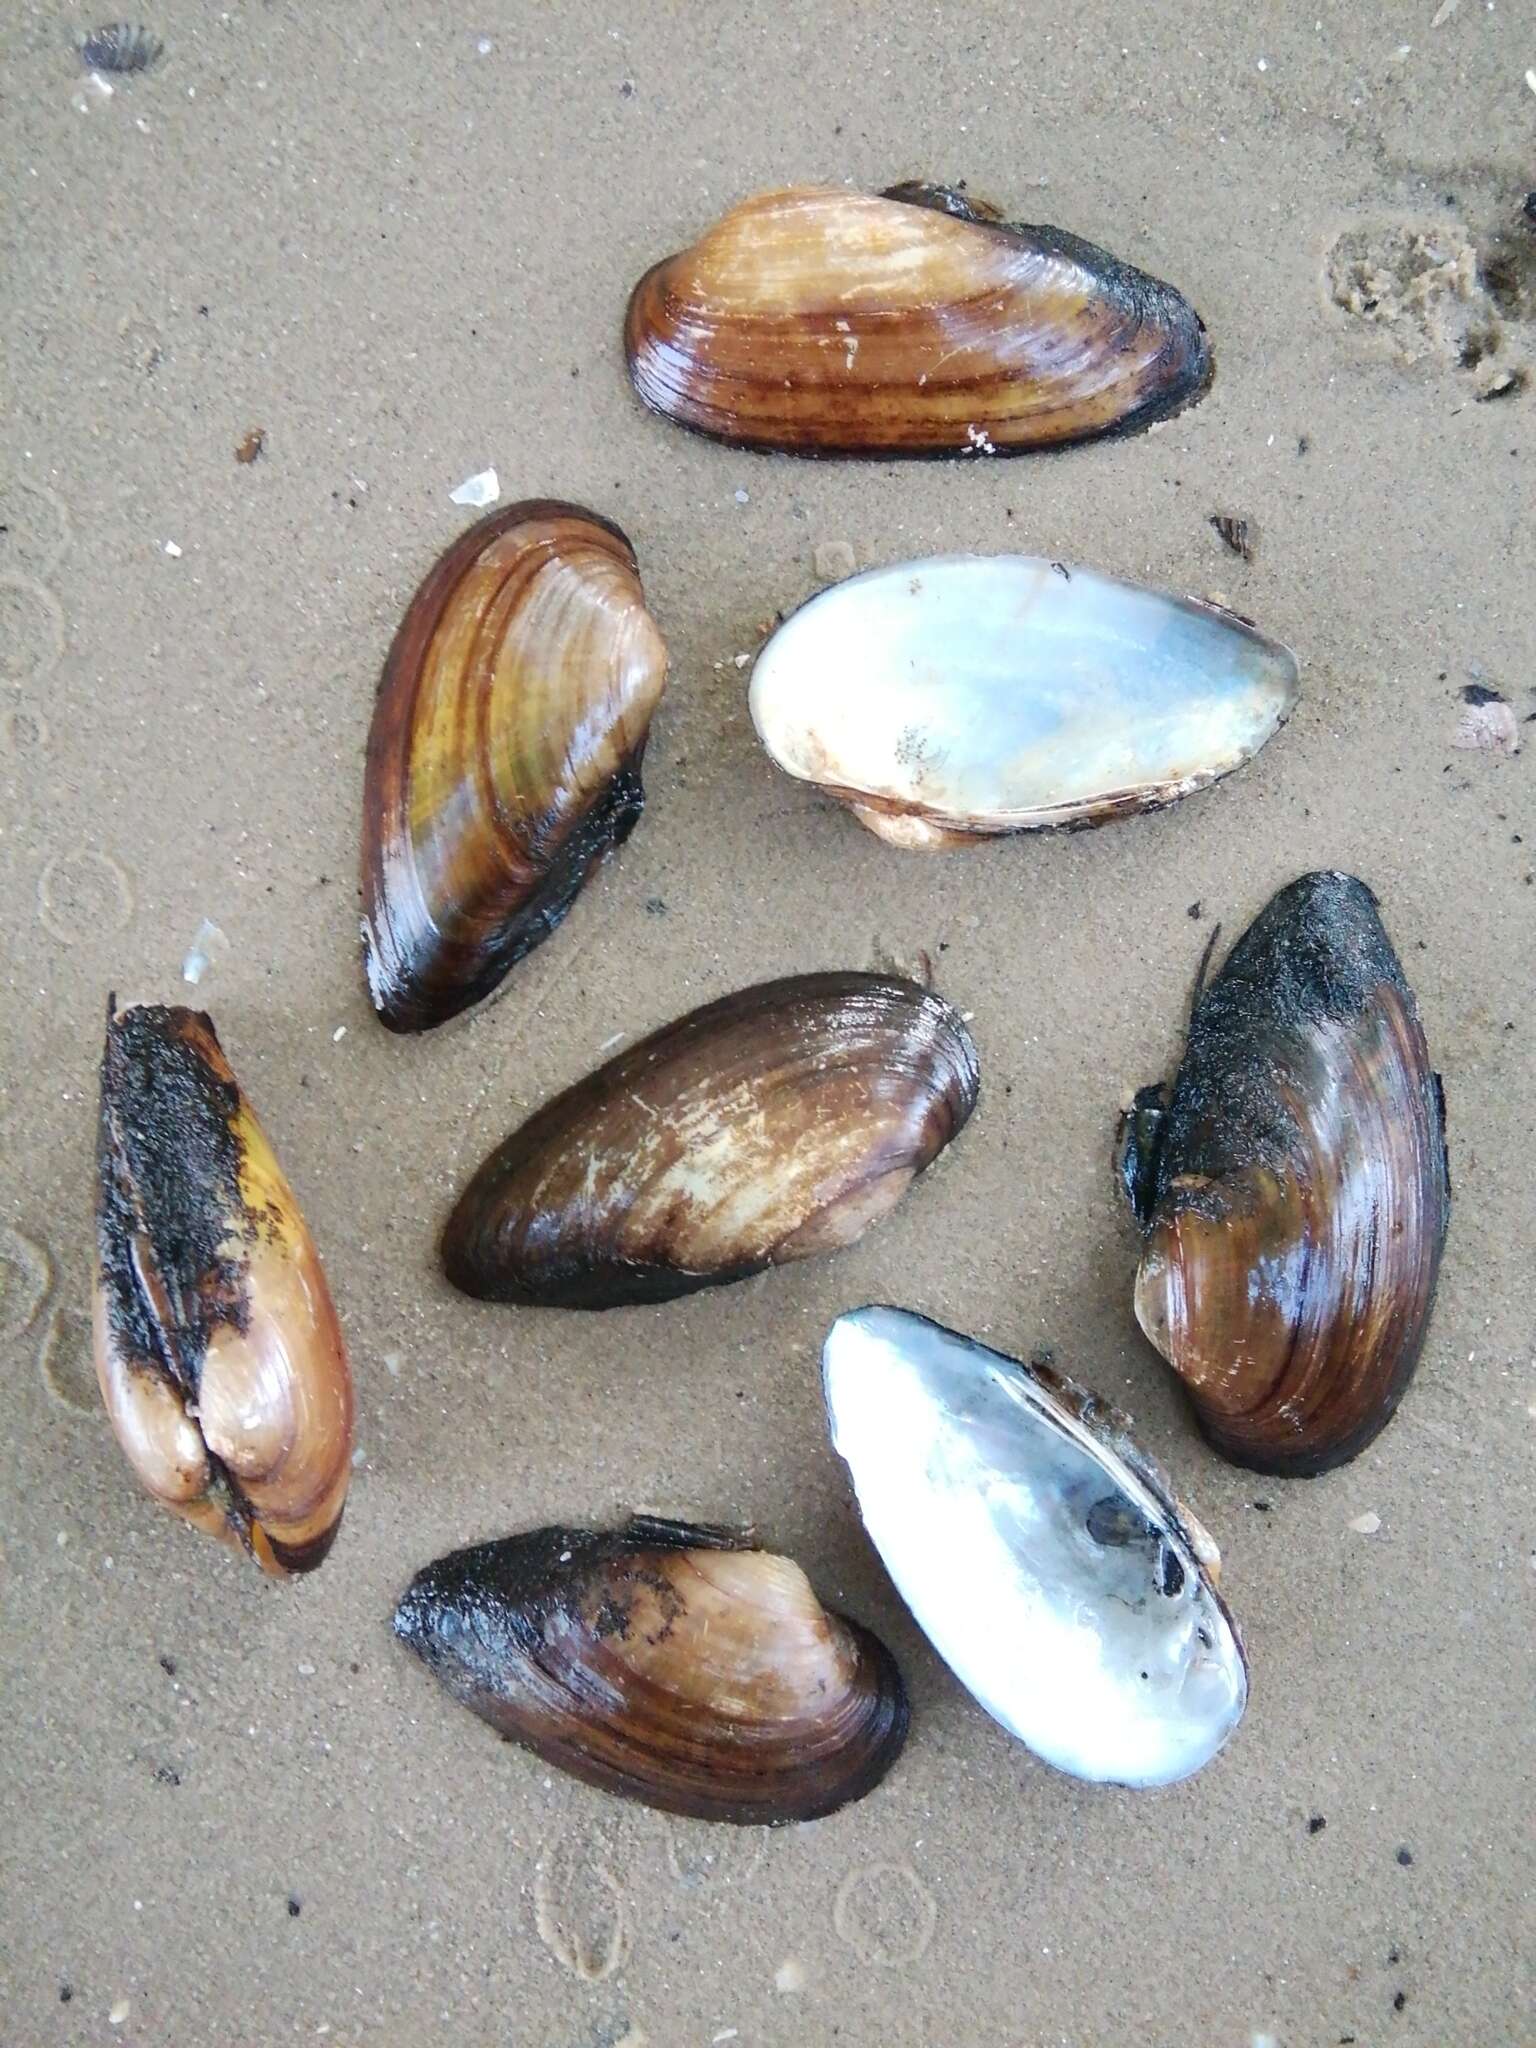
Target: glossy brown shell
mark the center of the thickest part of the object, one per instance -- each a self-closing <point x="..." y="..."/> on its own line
<point x="780" y="1121"/>
<point x="218" y="1350"/>
<point x="668" y="1663"/>
<point x="819" y="321"/>
<point x="1297" y="1190"/>
<point x="504" y="756"/>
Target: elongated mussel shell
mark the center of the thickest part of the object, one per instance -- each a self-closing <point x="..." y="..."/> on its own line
<point x="1296" y="1193"/>
<point x="780" y="1121"/>
<point x="967" y="695"/>
<point x="504" y="757"/>
<point x="669" y="1663"/>
<point x="1040" y="1550"/>
<point x="217" y="1347"/>
<point x="824" y="322"/>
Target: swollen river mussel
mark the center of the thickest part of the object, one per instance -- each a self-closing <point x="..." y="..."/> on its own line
<point x="820" y="321"/>
<point x="777" y="1122"/>
<point x="217" y="1347"/>
<point x="963" y="696"/>
<point x="1293" y="1187"/>
<point x="673" y="1664"/>
<point x="1039" y="1549"/>
<point x="504" y="756"/>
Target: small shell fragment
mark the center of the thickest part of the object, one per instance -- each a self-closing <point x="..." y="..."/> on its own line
<point x="482" y="489"/>
<point x="119" y="46"/>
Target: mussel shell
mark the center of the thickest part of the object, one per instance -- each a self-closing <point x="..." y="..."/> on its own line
<point x="777" y="1122"/>
<point x="1297" y="1194"/>
<point x="1040" y="1550"/>
<point x="217" y="1346"/>
<point x="504" y="756"/>
<point x="967" y="695"/>
<point x="672" y="1664"/>
<point x="819" y="321"/>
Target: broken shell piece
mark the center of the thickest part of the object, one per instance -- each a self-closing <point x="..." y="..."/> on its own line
<point x="1041" y="1551"/>
<point x="1294" y="1190"/>
<point x="504" y="757"/>
<point x="780" y="1121"/>
<point x="218" y="1351"/>
<point x="967" y="695"/>
<point x="119" y="46"/>
<point x="672" y="1664"/>
<point x="825" y="322"/>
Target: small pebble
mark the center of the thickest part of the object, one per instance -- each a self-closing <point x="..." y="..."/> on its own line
<point x="1366" y="1524"/>
<point x="833" y="560"/>
<point x="172" y="550"/>
<point x="1405" y="1857"/>
<point x="1316" y="1824"/>
<point x="338" y="1034"/>
<point x="790" y="1975"/>
<point x="306" y="1671"/>
<point x="742" y="498"/>
<point x="119" y="2013"/>
<point x="741" y="660"/>
<point x="1399" y="2001"/>
<point x="485" y="46"/>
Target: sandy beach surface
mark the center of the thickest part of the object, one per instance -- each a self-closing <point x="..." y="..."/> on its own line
<point x="396" y="241"/>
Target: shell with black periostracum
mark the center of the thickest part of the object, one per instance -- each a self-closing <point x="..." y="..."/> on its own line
<point x="218" y="1349"/>
<point x="669" y="1663"/>
<point x="1293" y="1187"/>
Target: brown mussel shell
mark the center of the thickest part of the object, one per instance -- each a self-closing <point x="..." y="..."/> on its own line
<point x="780" y="1121"/>
<point x="819" y="321"/>
<point x="671" y="1664"/>
<point x="218" y="1351"/>
<point x="504" y="756"/>
<point x="1294" y="1190"/>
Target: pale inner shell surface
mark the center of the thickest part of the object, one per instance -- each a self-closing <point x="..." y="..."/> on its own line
<point x="994" y="693"/>
<point x="1064" y="1591"/>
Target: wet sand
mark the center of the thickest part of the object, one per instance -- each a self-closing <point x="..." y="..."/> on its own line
<point x="237" y="1812"/>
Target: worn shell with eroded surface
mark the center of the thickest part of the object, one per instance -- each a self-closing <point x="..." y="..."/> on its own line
<point x="780" y="1121"/>
<point x="1294" y="1189"/>
<point x="218" y="1350"/>
<point x="669" y="1663"/>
